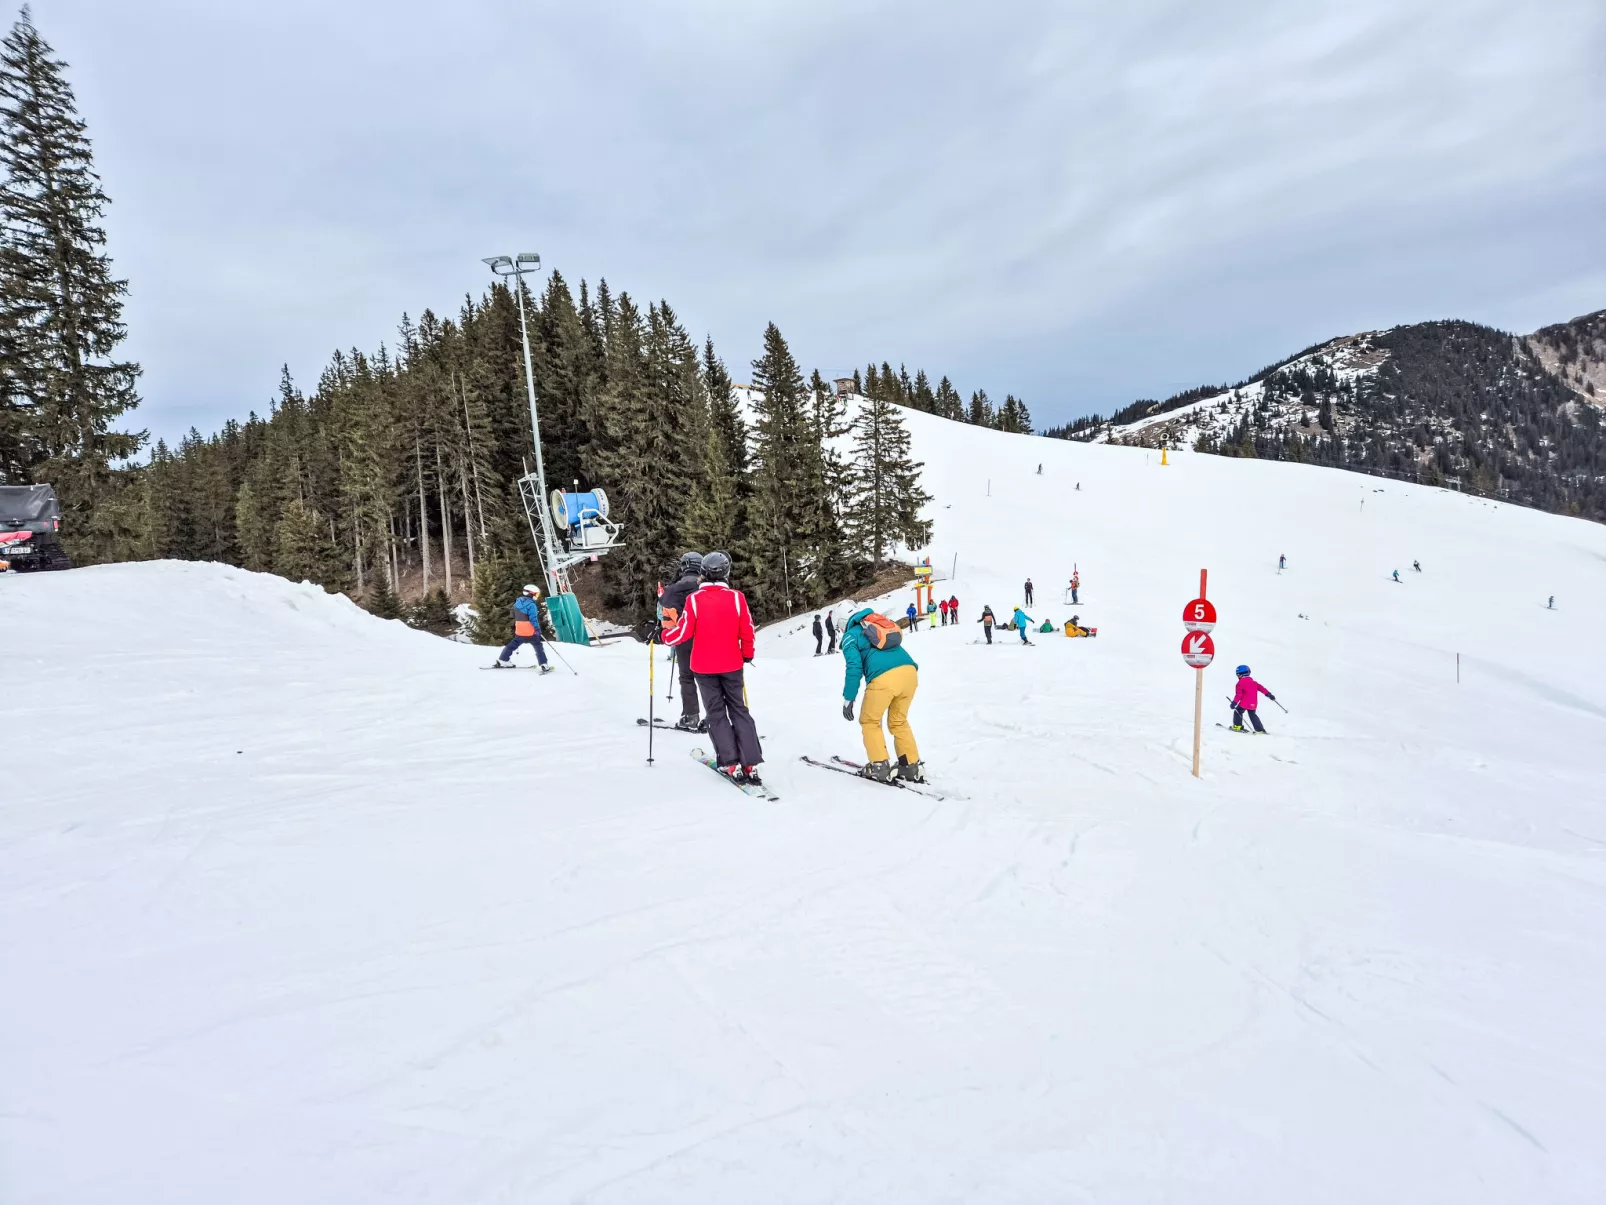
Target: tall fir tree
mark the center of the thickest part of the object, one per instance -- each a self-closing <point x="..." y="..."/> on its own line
<point x="794" y="550"/>
<point x="61" y="308"/>
<point x="885" y="497"/>
<point x="717" y="516"/>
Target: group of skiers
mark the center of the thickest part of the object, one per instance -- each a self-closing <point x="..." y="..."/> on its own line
<point x="709" y="625"/>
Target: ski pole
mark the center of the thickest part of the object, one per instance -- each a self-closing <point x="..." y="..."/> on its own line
<point x="652" y="693"/>
<point x="561" y="657"/>
<point x="1285" y="710"/>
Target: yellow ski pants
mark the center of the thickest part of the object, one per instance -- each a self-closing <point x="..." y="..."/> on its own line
<point x="890" y="695"/>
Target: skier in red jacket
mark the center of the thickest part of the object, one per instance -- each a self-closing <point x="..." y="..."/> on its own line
<point x="719" y="625"/>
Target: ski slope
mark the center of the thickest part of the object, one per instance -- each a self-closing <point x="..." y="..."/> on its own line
<point x="300" y="907"/>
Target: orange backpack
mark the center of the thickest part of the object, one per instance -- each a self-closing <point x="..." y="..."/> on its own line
<point x="880" y="632"/>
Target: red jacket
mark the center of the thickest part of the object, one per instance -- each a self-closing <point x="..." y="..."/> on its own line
<point x="718" y="623"/>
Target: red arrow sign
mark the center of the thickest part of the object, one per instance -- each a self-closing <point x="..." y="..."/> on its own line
<point x="1198" y="650"/>
<point x="1199" y="615"/>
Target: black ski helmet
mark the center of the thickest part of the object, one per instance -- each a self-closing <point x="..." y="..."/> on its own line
<point x="690" y="562"/>
<point x="716" y="567"/>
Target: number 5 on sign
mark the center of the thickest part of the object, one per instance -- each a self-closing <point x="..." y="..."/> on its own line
<point x="1199" y="615"/>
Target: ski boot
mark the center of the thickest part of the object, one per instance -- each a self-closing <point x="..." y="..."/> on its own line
<point x="879" y="771"/>
<point x="1235" y="728"/>
<point x="504" y="665"/>
<point x="750" y="776"/>
<point x="689" y="723"/>
<point x="911" y="771"/>
<point x="546" y="669"/>
<point x="1261" y="732"/>
<point x="735" y="773"/>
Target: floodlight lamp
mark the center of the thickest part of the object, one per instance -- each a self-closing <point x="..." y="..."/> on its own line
<point x="500" y="264"/>
<point x="529" y="257"/>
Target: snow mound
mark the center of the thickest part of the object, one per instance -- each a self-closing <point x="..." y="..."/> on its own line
<point x="300" y="907"/>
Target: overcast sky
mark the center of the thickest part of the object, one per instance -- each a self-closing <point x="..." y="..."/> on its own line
<point x="1078" y="202"/>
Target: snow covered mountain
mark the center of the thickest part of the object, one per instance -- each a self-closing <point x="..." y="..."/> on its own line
<point x="1440" y="403"/>
<point x="300" y="906"/>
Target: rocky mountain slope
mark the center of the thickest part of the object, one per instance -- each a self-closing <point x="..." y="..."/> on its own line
<point x="1442" y="403"/>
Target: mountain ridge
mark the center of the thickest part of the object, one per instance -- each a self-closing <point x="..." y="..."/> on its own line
<point x="1447" y="403"/>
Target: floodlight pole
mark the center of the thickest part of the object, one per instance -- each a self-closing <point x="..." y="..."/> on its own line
<point x="514" y="266"/>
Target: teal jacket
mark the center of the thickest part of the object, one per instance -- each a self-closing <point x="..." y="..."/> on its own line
<point x="865" y="662"/>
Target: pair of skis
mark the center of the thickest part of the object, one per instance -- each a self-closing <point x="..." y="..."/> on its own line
<point x="843" y="766"/>
<point x="754" y="790"/>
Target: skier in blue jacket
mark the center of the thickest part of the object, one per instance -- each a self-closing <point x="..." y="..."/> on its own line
<point x="526" y="629"/>
<point x="1022" y="621"/>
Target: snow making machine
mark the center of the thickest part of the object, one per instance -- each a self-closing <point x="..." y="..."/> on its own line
<point x="576" y="528"/>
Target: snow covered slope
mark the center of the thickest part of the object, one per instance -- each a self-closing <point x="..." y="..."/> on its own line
<point x="299" y="906"/>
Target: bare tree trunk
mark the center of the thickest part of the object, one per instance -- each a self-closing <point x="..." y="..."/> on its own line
<point x="356" y="546"/>
<point x="468" y="528"/>
<point x="446" y="520"/>
<point x="474" y="464"/>
<point x="423" y="514"/>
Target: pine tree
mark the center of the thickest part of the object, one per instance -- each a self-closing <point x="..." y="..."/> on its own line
<point x="885" y="497"/>
<point x="794" y="547"/>
<point x="1013" y="416"/>
<point x="948" y="402"/>
<point x="61" y="309"/>
<point x="302" y="550"/>
<point x="717" y="515"/>
<point x="981" y="409"/>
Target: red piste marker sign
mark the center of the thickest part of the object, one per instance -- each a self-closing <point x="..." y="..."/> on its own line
<point x="1199" y="615"/>
<point x="1198" y="650"/>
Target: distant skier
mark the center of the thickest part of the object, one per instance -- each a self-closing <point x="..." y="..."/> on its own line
<point x="953" y="608"/>
<point x="1022" y="622"/>
<point x="717" y="623"/>
<point x="931" y="611"/>
<point x="891" y="679"/>
<point x="670" y="604"/>
<point x="830" y="633"/>
<point x="987" y="622"/>
<point x="1039" y="470"/>
<point x="526" y="630"/>
<point x="819" y="635"/>
<point x="1078" y="487"/>
<point x="1397" y="576"/>
<point x="912" y="615"/>
<point x="942" y="608"/>
<point x="1282" y="561"/>
<point x="1551" y="605"/>
<point x="1076" y="585"/>
<point x="1244" y="699"/>
<point x="1417" y="565"/>
<point x="1028" y="592"/>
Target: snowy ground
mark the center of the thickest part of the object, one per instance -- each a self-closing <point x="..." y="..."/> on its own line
<point x="300" y="907"/>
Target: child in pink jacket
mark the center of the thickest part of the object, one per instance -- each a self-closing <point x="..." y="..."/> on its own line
<point x="1245" y="698"/>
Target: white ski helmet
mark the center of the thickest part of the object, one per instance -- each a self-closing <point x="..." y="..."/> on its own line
<point x="532" y="590"/>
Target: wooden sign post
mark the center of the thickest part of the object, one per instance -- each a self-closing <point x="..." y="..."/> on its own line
<point x="1198" y="650"/>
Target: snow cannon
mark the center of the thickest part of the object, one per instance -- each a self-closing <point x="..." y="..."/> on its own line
<point x="584" y="516"/>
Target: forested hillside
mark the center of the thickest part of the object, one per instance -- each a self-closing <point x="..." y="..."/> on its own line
<point x="1442" y="403"/>
<point x="396" y="476"/>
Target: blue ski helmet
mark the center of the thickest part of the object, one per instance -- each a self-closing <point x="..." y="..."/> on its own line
<point x="1242" y="670"/>
<point x="716" y="567"/>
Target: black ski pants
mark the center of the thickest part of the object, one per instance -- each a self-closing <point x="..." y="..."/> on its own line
<point x="688" y="680"/>
<point x="819" y="639"/>
<point x="830" y="645"/>
<point x="987" y="631"/>
<point x="1238" y="719"/>
<point x="730" y="724"/>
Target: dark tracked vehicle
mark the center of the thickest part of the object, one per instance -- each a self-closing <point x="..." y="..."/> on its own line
<point x="30" y="529"/>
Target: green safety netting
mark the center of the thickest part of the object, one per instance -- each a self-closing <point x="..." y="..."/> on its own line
<point x="564" y="611"/>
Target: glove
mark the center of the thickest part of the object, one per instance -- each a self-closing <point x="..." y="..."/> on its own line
<point x="1271" y="696"/>
<point x="847" y="710"/>
<point x="747" y="661"/>
<point x="654" y="633"/>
